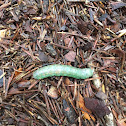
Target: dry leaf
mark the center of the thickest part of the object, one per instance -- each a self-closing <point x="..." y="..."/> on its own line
<point x="13" y="90"/>
<point x="53" y="92"/>
<point x="42" y="56"/>
<point x="18" y="72"/>
<point x="97" y="107"/>
<point x="116" y="5"/>
<point x="101" y="95"/>
<point x="86" y="112"/>
<point x="27" y="26"/>
<point x="24" y="83"/>
<point x="121" y="122"/>
<point x="70" y="56"/>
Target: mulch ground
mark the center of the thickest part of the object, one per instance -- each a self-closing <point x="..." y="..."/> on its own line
<point x="79" y="33"/>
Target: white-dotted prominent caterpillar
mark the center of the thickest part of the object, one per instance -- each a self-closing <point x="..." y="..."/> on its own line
<point x="62" y="70"/>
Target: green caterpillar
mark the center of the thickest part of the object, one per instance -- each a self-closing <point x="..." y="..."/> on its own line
<point x="62" y="70"/>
